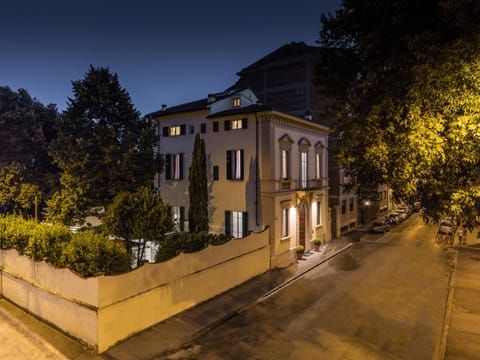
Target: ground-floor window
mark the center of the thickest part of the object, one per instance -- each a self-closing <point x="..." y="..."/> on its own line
<point x="285" y="222"/>
<point x="178" y="215"/>
<point x="236" y="223"/>
<point x="318" y="221"/>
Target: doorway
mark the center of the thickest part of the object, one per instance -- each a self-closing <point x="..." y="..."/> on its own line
<point x="301" y="224"/>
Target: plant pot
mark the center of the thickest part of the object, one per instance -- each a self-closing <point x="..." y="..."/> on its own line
<point x="316" y="247"/>
<point x="299" y="256"/>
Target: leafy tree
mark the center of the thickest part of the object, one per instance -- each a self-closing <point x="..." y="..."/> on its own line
<point x="103" y="146"/>
<point x="197" y="188"/>
<point x="137" y="218"/>
<point x="410" y="118"/>
<point x="26" y="170"/>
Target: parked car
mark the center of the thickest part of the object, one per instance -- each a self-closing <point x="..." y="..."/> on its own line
<point x="379" y="226"/>
<point x="446" y="226"/>
<point x="444" y="237"/>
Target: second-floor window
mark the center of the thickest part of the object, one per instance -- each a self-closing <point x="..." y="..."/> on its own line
<point x="174" y="166"/>
<point x="235" y="164"/>
<point x="236" y="102"/>
<point x="175" y="130"/>
<point x="318" y="166"/>
<point x="303" y="169"/>
<point x="236" y="124"/>
<point x="285" y="164"/>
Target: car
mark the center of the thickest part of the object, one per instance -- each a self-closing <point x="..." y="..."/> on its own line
<point x="379" y="226"/>
<point x="443" y="237"/>
<point x="446" y="226"/>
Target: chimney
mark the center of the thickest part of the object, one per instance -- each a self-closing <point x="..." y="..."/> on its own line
<point x="164" y="107"/>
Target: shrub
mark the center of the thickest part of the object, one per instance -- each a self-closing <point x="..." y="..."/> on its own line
<point x="89" y="254"/>
<point x="167" y="250"/>
<point x="300" y="249"/>
<point x="48" y="241"/>
<point x="16" y="233"/>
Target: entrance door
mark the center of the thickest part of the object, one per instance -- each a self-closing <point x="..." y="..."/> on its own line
<point x="301" y="224"/>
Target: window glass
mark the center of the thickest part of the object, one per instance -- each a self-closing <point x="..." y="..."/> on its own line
<point x="285" y="222"/>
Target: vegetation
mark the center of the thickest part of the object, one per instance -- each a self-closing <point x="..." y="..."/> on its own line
<point x="26" y="170"/>
<point x="187" y="243"/>
<point x="410" y="116"/>
<point x="138" y="217"/>
<point x="86" y="253"/>
<point x="103" y="147"/>
<point x="197" y="188"/>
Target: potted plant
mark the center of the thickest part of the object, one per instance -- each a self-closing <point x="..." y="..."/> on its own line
<point x="316" y="244"/>
<point x="300" y="250"/>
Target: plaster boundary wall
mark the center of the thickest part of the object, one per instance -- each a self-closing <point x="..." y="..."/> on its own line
<point x="104" y="310"/>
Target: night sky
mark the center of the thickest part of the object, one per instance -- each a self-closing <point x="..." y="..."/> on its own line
<point x="164" y="52"/>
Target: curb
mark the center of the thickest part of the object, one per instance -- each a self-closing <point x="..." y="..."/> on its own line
<point x="448" y="308"/>
<point x="294" y="278"/>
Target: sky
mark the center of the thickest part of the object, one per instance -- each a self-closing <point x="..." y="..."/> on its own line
<point x="164" y="52"/>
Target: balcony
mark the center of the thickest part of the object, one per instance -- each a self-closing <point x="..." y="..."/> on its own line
<point x="283" y="185"/>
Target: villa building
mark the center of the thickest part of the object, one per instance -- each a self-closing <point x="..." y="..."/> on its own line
<point x="266" y="168"/>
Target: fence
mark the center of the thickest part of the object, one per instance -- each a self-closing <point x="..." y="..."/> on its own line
<point x="103" y="310"/>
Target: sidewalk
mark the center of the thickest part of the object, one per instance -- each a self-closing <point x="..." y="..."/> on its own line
<point x="180" y="330"/>
<point x="462" y="335"/>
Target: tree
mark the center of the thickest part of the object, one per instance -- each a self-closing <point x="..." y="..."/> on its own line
<point x="103" y="146"/>
<point x="26" y="170"/>
<point x="197" y="188"/>
<point x="410" y="118"/>
<point x="138" y="217"/>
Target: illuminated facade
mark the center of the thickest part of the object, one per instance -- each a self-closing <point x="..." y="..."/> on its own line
<point x="265" y="168"/>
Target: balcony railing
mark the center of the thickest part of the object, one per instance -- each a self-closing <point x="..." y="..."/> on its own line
<point x="293" y="185"/>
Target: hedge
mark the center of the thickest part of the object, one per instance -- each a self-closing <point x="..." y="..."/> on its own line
<point x="86" y="253"/>
<point x="187" y="243"/>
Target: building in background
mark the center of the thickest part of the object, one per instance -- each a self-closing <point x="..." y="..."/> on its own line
<point x="266" y="168"/>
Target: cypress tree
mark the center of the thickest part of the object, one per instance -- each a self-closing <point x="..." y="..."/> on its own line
<point x="197" y="188"/>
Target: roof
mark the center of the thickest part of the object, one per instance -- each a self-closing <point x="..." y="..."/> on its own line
<point x="242" y="110"/>
<point x="186" y="107"/>
<point x="291" y="50"/>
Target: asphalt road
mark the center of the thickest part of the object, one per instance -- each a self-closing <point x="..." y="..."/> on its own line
<point x="384" y="298"/>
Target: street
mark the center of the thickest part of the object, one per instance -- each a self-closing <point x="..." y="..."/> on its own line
<point x="384" y="298"/>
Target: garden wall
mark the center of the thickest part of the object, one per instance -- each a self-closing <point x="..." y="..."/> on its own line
<point x="104" y="310"/>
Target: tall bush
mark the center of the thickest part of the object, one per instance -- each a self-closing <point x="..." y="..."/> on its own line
<point x="89" y="254"/>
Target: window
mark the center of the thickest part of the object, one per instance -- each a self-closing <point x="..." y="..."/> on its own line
<point x="285" y="168"/>
<point x="192" y="129"/>
<point x="351" y="205"/>
<point x="176" y="130"/>
<point x="178" y="215"/>
<point x="203" y="128"/>
<point x="236" y="102"/>
<point x="235" y="164"/>
<point x="215" y="126"/>
<point x="174" y="166"/>
<point x="318" y="166"/>
<point x="303" y="169"/>
<point x="285" y="222"/>
<point x="344" y="206"/>
<point x="235" y="124"/>
<point x="318" y="221"/>
<point x="318" y="160"/>
<point x="236" y="223"/>
<point x="215" y="173"/>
